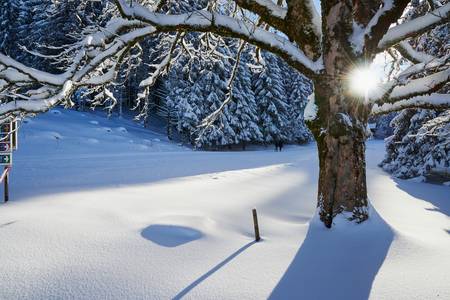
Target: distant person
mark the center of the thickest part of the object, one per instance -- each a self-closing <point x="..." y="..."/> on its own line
<point x="278" y="145"/>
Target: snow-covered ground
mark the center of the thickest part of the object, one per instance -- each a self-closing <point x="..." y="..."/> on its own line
<point x="103" y="210"/>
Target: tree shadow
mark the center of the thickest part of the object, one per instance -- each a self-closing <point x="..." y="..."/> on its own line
<point x="216" y="268"/>
<point x="438" y="195"/>
<point x="109" y="170"/>
<point x="340" y="263"/>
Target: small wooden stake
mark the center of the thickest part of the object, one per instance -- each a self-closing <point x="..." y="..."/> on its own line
<point x="255" y="223"/>
<point x="6" y="195"/>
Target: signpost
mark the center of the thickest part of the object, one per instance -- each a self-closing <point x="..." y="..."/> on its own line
<point x="8" y="143"/>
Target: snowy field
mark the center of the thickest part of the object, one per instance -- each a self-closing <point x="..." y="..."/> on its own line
<point x="102" y="210"/>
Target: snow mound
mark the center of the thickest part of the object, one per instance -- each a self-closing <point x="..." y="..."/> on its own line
<point x="121" y="129"/>
<point x="105" y="129"/>
<point x="92" y="141"/>
<point x="55" y="112"/>
<point x="49" y="135"/>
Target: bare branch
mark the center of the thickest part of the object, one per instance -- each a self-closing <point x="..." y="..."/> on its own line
<point x="209" y="120"/>
<point x="17" y="72"/>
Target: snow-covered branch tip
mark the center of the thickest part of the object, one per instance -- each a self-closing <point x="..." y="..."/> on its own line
<point x="414" y="87"/>
<point x="431" y="101"/>
<point x="414" y="27"/>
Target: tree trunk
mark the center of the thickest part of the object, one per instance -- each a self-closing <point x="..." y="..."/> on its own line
<point x="342" y="178"/>
<point x="340" y="131"/>
<point x="340" y="127"/>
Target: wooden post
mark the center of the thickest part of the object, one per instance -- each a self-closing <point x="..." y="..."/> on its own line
<point x="255" y="223"/>
<point x="6" y="194"/>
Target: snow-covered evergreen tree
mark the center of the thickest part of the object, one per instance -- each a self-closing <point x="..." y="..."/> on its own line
<point x="243" y="108"/>
<point x="271" y="99"/>
<point x="298" y="88"/>
<point x="420" y="143"/>
<point x="9" y="15"/>
<point x="211" y="90"/>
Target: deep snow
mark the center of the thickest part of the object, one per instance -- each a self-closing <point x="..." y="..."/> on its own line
<point x="103" y="209"/>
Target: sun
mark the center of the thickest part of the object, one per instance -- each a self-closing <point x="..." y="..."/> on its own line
<point x="362" y="81"/>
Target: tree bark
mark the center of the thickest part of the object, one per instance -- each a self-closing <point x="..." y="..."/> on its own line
<point x="340" y="127"/>
<point x="342" y="178"/>
<point x="340" y="131"/>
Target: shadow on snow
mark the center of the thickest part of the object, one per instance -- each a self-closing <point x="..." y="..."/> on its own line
<point x="170" y="235"/>
<point x="216" y="268"/>
<point x="435" y="194"/>
<point x="340" y="263"/>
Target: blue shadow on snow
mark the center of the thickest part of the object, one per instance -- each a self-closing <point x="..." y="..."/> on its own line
<point x="340" y="263"/>
<point x="170" y="235"/>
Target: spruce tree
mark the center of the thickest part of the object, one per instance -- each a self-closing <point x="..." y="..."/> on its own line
<point x="271" y="99"/>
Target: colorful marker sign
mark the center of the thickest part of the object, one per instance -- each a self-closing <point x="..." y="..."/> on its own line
<point x="5" y="159"/>
<point x="8" y="142"/>
<point x="5" y="147"/>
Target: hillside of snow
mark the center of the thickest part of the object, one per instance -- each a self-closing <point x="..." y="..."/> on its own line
<point x="103" y="209"/>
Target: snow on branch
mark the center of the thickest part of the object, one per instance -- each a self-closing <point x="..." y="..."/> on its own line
<point x="98" y="56"/>
<point x="407" y="51"/>
<point x="30" y="105"/>
<point x="365" y="38"/>
<point x="269" y="12"/>
<point x="420" y="86"/>
<point x="430" y="101"/>
<point x="403" y="86"/>
<point x="205" y="21"/>
<point x="14" y="71"/>
<point x="415" y="27"/>
<point x="304" y="26"/>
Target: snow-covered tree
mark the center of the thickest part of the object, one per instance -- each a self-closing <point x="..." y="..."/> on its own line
<point x="243" y="108"/>
<point x="419" y="145"/>
<point x="298" y="88"/>
<point x="326" y="47"/>
<point x="9" y="14"/>
<point x="272" y="101"/>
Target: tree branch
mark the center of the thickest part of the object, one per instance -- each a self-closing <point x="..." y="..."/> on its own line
<point x="420" y="86"/>
<point x="204" y="21"/>
<point x="389" y="12"/>
<point x="304" y="26"/>
<point x="414" y="56"/>
<point x="414" y="27"/>
<point x="268" y="11"/>
<point x="430" y="101"/>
